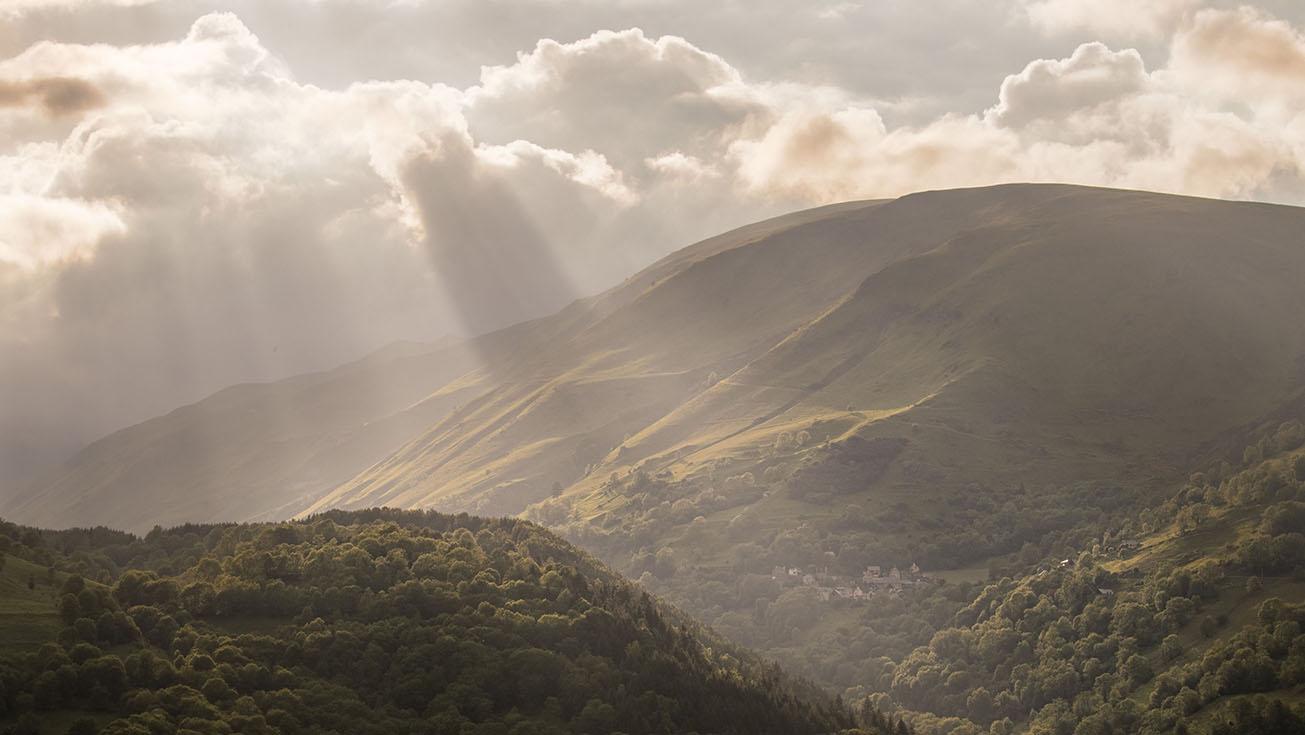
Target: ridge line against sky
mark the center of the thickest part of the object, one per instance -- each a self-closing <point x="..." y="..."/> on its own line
<point x="199" y="193"/>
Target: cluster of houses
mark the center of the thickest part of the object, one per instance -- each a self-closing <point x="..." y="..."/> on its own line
<point x="1125" y="547"/>
<point x="833" y="587"/>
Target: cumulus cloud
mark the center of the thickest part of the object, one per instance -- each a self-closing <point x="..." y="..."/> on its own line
<point x="1097" y="116"/>
<point x="1055" y="89"/>
<point x="667" y="93"/>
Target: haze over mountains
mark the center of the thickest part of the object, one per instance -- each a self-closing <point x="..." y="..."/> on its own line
<point x="655" y="368"/>
<point x="1022" y="334"/>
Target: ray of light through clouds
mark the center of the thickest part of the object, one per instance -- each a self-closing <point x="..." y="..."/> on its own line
<point x="196" y="193"/>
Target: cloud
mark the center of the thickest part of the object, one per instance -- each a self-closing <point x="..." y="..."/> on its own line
<point x="838" y="11"/>
<point x="1097" y="116"/>
<point x="1114" y="18"/>
<point x="56" y="95"/>
<point x="821" y="156"/>
<point x="39" y="231"/>
<point x="1051" y="90"/>
<point x="15" y="8"/>
<point x="564" y="95"/>
<point x="678" y="165"/>
<point x="1242" y="55"/>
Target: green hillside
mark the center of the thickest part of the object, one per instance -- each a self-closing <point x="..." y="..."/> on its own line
<point x="376" y="622"/>
<point x="1173" y="621"/>
<point x="1027" y="335"/>
<point x="28" y="603"/>
<point x="269" y="451"/>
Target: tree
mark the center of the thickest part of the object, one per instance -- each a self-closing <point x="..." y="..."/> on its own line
<point x="1191" y="517"/>
<point x="979" y="705"/>
<point x="596" y="717"/>
<point x="217" y="691"/>
<point x="69" y="609"/>
<point x="1281" y="518"/>
<point x="1136" y="669"/>
<point x="1208" y="627"/>
<point x="1171" y="648"/>
<point x="1271" y="611"/>
<point x="73" y="584"/>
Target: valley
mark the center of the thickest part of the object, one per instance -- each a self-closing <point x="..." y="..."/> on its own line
<point x="652" y="367"/>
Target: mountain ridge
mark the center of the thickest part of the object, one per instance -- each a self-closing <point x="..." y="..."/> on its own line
<point x="854" y="314"/>
<point x="965" y="254"/>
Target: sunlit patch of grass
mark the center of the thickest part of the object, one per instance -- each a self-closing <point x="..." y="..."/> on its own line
<point x="28" y="617"/>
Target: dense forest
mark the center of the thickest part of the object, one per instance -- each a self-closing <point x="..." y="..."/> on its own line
<point x="1197" y="630"/>
<point x="368" y="622"/>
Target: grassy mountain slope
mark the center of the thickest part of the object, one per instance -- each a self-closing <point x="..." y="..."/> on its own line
<point x="258" y="450"/>
<point x="29" y="615"/>
<point x="1017" y="334"/>
<point x="270" y="450"/>
<point x="1034" y="334"/>
<point x="379" y="622"/>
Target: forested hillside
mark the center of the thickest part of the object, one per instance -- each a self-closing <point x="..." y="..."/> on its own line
<point x="370" y="622"/>
<point x="1185" y="618"/>
<point x="1095" y="610"/>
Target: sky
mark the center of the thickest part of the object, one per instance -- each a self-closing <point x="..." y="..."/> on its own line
<point x="196" y="193"/>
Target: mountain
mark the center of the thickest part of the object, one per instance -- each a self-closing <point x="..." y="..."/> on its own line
<point x="984" y="383"/>
<point x="269" y="450"/>
<point x="1016" y="334"/>
<point x="377" y="622"/>
<point x="1013" y="335"/>
<point x="252" y="451"/>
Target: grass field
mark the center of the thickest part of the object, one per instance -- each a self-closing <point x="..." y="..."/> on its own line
<point x="973" y="573"/>
<point x="28" y="617"/>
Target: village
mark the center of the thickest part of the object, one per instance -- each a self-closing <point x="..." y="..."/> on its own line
<point x="873" y="581"/>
